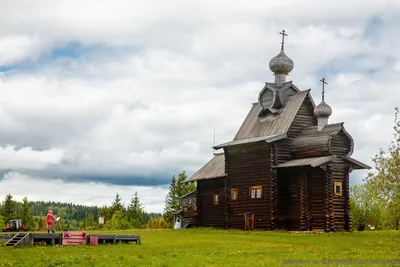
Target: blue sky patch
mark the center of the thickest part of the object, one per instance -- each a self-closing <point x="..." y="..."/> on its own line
<point x="70" y="50"/>
<point x="356" y="63"/>
<point x="373" y="30"/>
<point x="129" y="180"/>
<point x="6" y="68"/>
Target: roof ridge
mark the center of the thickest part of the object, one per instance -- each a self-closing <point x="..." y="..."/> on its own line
<point x="300" y="92"/>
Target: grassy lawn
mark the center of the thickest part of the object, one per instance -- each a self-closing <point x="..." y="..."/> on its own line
<point x="207" y="247"/>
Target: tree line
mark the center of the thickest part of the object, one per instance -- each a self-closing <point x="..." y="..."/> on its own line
<point x="80" y="217"/>
<point x="75" y="217"/>
<point x="376" y="202"/>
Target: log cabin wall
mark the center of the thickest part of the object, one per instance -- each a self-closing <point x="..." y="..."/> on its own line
<point x="249" y="165"/>
<point x="305" y="117"/>
<point x="340" y="144"/>
<point x="210" y="214"/>
<point x="189" y="209"/>
<point x="340" y="202"/>
<point x="292" y="207"/>
<point x="316" y="197"/>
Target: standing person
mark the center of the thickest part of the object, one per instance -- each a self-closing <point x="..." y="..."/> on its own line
<point x="49" y="221"/>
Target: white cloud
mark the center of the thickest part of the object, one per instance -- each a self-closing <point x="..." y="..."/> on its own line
<point x="156" y="78"/>
<point x="91" y="193"/>
<point x="27" y="158"/>
<point x="15" y="48"/>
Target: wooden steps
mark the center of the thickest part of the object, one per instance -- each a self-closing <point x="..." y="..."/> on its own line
<point x="16" y="240"/>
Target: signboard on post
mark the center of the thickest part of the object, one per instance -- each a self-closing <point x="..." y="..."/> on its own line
<point x="101" y="220"/>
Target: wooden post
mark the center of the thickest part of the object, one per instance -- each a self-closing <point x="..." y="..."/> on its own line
<point x="227" y="198"/>
<point x="330" y="220"/>
<point x="198" y="203"/>
<point x="346" y="193"/>
<point x="273" y="189"/>
<point x="304" y="212"/>
<point x="328" y="189"/>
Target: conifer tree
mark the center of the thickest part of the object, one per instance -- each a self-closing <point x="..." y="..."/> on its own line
<point x="26" y="215"/>
<point x="8" y="208"/>
<point x="41" y="222"/>
<point x="176" y="190"/>
<point x="135" y="212"/>
<point x="117" y="205"/>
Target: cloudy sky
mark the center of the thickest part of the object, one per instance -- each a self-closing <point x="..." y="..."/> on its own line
<point x="99" y="97"/>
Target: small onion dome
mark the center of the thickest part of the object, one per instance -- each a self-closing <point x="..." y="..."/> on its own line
<point x="281" y="64"/>
<point x="323" y="110"/>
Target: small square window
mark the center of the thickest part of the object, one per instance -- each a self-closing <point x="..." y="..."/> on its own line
<point x="337" y="187"/>
<point x="215" y="199"/>
<point x="234" y="194"/>
<point x="256" y="192"/>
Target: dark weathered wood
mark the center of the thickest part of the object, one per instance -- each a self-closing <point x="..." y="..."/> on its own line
<point x="227" y="198"/>
<point x="246" y="170"/>
<point x="212" y="215"/>
<point x="316" y="195"/>
<point x="298" y="195"/>
<point x="273" y="189"/>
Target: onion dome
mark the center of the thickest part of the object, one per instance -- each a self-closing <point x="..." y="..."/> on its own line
<point x="281" y="64"/>
<point x="323" y="110"/>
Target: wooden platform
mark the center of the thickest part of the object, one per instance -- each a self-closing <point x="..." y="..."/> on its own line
<point x="45" y="239"/>
<point x="117" y="239"/>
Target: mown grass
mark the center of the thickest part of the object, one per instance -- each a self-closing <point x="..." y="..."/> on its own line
<point x="209" y="247"/>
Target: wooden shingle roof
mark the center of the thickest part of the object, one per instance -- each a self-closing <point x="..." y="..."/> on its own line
<point x="213" y="169"/>
<point x="254" y="126"/>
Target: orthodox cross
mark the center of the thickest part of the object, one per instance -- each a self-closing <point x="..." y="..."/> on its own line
<point x="283" y="38"/>
<point x="323" y="88"/>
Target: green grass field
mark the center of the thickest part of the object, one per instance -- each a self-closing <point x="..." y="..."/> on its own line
<point x="207" y="247"/>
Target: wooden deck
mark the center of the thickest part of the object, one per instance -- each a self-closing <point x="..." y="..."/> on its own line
<point x="45" y="239"/>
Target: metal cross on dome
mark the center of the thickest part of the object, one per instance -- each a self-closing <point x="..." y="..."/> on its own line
<point x="323" y="87"/>
<point x="283" y="38"/>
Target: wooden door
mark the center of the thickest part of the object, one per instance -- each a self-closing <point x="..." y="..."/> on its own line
<point x="248" y="221"/>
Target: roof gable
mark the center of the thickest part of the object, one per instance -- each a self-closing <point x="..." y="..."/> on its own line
<point x="256" y="126"/>
<point x="212" y="169"/>
<point x="311" y="142"/>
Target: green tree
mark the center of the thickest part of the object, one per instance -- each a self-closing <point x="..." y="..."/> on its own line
<point x="117" y="205"/>
<point x="365" y="208"/>
<point x="41" y="222"/>
<point x="135" y="212"/>
<point x="2" y="222"/>
<point x="117" y="222"/>
<point x="384" y="181"/>
<point x="106" y="212"/>
<point x="8" y="208"/>
<point x="26" y="215"/>
<point x="176" y="190"/>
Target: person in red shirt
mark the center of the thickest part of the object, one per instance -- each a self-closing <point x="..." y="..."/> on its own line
<point x="50" y="218"/>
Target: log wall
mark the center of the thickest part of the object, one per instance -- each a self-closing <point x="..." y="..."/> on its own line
<point x="291" y="198"/>
<point x="316" y="196"/>
<point x="304" y="118"/>
<point x="340" y="144"/>
<point x="211" y="215"/>
<point x="189" y="207"/>
<point x="249" y="165"/>
<point x="341" y="204"/>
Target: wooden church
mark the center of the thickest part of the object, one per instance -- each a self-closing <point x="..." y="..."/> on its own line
<point x="286" y="167"/>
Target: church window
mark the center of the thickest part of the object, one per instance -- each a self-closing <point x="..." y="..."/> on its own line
<point x="338" y="188"/>
<point x="234" y="194"/>
<point x="215" y="199"/>
<point x="255" y="192"/>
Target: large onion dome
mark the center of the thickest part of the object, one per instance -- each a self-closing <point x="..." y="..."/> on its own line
<point x="281" y="64"/>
